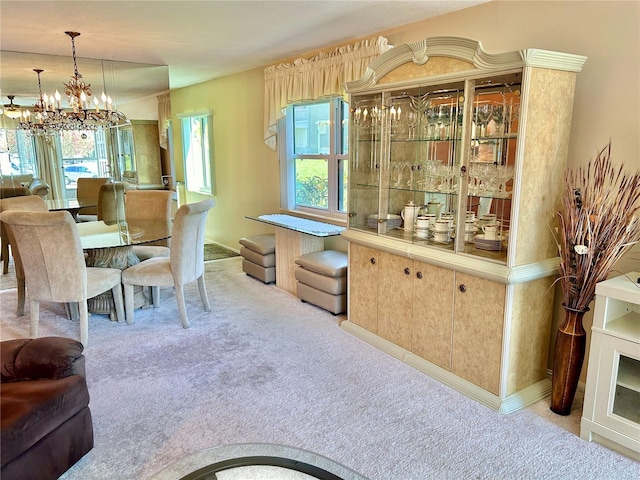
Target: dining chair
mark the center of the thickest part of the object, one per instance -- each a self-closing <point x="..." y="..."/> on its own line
<point x="111" y="203"/>
<point x="150" y="205"/>
<point x="183" y="266"/>
<point x="87" y="193"/>
<point x="14" y="191"/>
<point x="54" y="266"/>
<point x="32" y="203"/>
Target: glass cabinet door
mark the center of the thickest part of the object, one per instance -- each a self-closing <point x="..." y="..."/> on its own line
<point x="425" y="133"/>
<point x="491" y="165"/>
<point x="365" y="160"/>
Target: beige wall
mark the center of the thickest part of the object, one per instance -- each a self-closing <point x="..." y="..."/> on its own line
<point x="607" y="102"/>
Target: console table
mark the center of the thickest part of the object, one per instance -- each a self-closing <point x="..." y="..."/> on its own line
<point x="295" y="236"/>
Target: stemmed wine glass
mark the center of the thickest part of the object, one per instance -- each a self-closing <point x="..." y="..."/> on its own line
<point x="511" y="114"/>
<point x="497" y="115"/>
<point x="433" y="117"/>
<point x="483" y="116"/>
<point x="445" y="119"/>
<point x="412" y="122"/>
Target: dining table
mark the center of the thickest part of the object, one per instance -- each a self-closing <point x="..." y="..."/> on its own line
<point x="110" y="245"/>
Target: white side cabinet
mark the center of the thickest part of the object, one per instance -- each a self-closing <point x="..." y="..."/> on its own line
<point x="611" y="413"/>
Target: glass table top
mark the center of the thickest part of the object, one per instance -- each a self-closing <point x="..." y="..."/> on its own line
<point x="257" y="462"/>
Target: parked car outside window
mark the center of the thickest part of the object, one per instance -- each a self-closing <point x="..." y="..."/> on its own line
<point x="73" y="172"/>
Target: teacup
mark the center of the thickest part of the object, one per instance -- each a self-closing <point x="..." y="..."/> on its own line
<point x="441" y="226"/>
<point x="471" y="215"/>
<point x="489" y="217"/>
<point x="449" y="216"/>
<point x="431" y="217"/>
<point x="441" y="237"/>
<point x="469" y="226"/>
<point x="422" y="221"/>
<point x="490" y="231"/>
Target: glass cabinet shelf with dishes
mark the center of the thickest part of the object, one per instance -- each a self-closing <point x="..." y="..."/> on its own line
<point x="424" y="153"/>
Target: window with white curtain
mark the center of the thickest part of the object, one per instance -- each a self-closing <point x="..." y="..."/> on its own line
<point x="197" y="152"/>
<point x="314" y="169"/>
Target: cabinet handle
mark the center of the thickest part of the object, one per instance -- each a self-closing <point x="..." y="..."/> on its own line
<point x="419" y="275"/>
<point x="407" y="271"/>
<point x="373" y="261"/>
<point x="462" y="287"/>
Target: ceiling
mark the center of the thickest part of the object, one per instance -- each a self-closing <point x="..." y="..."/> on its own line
<point x="197" y="40"/>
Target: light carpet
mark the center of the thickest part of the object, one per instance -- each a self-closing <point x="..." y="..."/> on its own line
<point x="263" y="367"/>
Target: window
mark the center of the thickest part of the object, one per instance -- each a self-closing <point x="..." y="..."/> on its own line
<point x="17" y="155"/>
<point x="83" y="154"/>
<point x="315" y="169"/>
<point x="197" y="153"/>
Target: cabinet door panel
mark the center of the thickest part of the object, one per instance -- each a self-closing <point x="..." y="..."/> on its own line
<point x="477" y="330"/>
<point x="395" y="299"/>
<point x="363" y="287"/>
<point x="432" y="313"/>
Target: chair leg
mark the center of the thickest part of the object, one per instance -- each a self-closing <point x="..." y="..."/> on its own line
<point x="119" y="303"/>
<point x="35" y="318"/>
<point x="155" y="296"/>
<point x="128" y="302"/>
<point x="5" y="257"/>
<point x="84" y="322"/>
<point x="21" y="296"/>
<point x="203" y="293"/>
<point x="182" y="309"/>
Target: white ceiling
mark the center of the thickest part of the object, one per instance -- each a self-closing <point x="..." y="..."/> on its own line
<point x="200" y="40"/>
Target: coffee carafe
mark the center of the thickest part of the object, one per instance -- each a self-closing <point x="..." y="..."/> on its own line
<point x="409" y="214"/>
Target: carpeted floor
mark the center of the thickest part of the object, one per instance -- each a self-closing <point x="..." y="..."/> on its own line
<point x="263" y="367"/>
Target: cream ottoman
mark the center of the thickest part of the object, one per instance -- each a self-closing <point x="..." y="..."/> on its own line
<point x="322" y="280"/>
<point x="259" y="257"/>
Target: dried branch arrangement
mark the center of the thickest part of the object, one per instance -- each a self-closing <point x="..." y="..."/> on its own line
<point x="598" y="224"/>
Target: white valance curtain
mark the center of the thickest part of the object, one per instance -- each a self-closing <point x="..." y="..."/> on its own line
<point x="164" y="117"/>
<point x="309" y="79"/>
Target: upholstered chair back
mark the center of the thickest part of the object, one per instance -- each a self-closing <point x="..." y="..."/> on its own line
<point x="29" y="203"/>
<point x="14" y="191"/>
<point x="187" y="245"/>
<point x="111" y="203"/>
<point x="150" y="205"/>
<point x="87" y="193"/>
<point x="51" y="254"/>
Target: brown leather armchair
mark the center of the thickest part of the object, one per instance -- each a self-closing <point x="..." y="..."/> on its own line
<point x="46" y="424"/>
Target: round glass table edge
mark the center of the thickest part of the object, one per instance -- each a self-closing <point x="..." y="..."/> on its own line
<point x="207" y="462"/>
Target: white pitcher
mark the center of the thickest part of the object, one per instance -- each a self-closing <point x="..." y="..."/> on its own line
<point x="409" y="215"/>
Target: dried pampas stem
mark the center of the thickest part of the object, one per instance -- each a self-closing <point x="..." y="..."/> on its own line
<point x="598" y="224"/>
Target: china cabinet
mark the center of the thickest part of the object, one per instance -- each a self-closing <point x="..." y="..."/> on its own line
<point x="455" y="172"/>
<point x="611" y="411"/>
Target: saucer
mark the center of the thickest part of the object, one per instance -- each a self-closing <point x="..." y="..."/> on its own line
<point x="481" y="238"/>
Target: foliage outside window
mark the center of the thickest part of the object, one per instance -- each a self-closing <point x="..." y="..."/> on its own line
<point x="315" y="170"/>
<point x="197" y="152"/>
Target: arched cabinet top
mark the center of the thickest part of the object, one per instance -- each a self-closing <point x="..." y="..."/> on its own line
<point x="466" y="50"/>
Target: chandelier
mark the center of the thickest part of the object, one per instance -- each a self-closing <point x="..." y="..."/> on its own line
<point x="48" y="116"/>
<point x="10" y="109"/>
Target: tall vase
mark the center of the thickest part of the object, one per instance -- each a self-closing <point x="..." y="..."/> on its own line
<point x="571" y="341"/>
